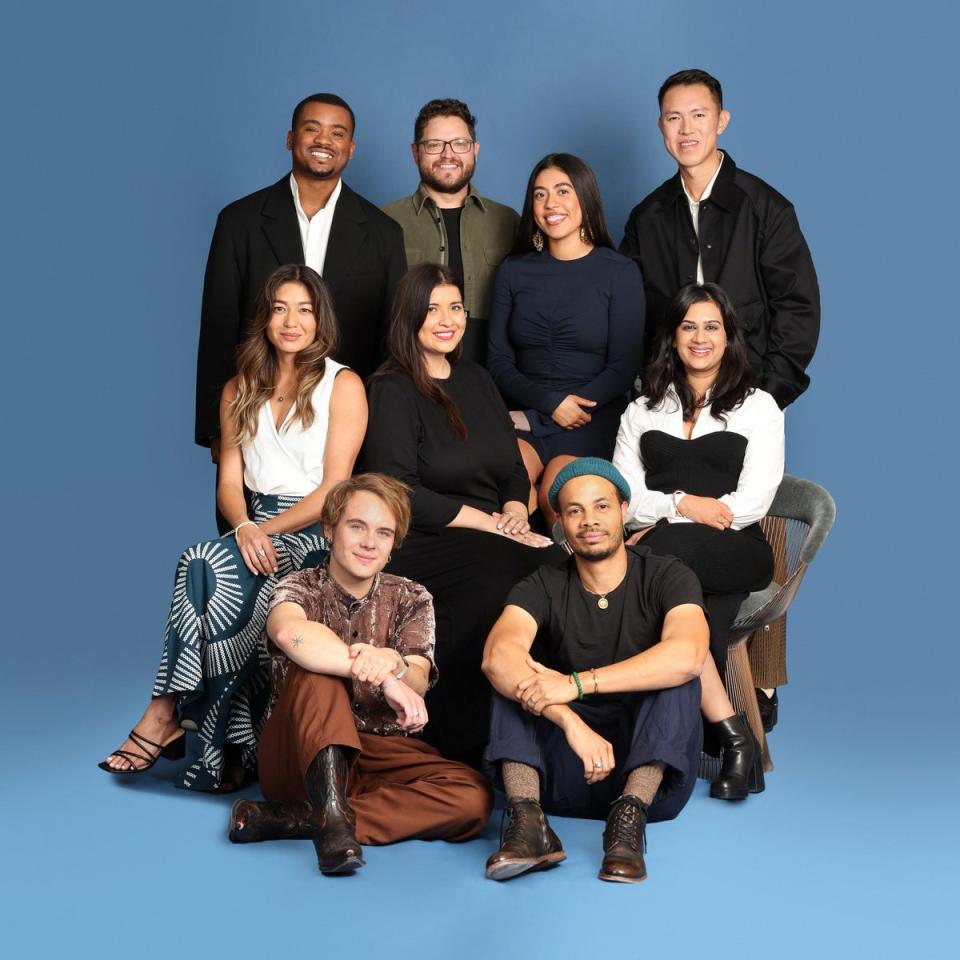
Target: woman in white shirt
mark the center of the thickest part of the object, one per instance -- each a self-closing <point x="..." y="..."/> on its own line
<point x="292" y="421"/>
<point x="703" y="452"/>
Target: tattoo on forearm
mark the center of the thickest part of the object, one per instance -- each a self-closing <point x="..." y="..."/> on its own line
<point x="296" y="641"/>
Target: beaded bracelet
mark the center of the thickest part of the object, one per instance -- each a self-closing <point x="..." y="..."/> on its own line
<point x="576" y="680"/>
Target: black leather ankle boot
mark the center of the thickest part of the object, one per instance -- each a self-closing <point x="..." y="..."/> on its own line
<point x="252" y="821"/>
<point x="741" y="768"/>
<point x="769" y="709"/>
<point x="332" y="819"/>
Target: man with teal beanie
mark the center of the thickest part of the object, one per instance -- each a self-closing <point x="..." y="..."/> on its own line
<point x="596" y="669"/>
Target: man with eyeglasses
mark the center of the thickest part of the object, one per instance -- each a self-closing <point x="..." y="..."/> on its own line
<point x="309" y="216"/>
<point x="446" y="221"/>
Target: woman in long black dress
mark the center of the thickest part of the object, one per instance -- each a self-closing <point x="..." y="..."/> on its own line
<point x="703" y="452"/>
<point x="566" y="324"/>
<point x="439" y="424"/>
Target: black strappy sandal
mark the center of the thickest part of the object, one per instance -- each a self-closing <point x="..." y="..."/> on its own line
<point x="174" y="749"/>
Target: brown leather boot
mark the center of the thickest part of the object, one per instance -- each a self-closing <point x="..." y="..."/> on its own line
<point x="527" y="844"/>
<point x="624" y="842"/>
<point x="254" y="820"/>
<point x="332" y="820"/>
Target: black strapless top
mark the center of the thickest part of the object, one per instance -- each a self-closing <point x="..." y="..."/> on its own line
<point x="707" y="466"/>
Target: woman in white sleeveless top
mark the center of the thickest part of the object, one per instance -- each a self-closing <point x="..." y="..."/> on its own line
<point x="292" y="420"/>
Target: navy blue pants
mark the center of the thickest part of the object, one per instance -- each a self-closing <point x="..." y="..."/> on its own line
<point x="660" y="725"/>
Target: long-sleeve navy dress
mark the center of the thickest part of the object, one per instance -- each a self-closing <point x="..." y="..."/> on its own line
<point x="567" y="326"/>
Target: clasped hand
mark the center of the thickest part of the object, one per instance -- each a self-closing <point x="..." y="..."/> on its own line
<point x="706" y="510"/>
<point x="543" y="688"/>
<point x="376" y="665"/>
<point x="257" y="550"/>
<point x="570" y="412"/>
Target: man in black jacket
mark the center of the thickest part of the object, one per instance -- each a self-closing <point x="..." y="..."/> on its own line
<point x="309" y="216"/>
<point x="715" y="222"/>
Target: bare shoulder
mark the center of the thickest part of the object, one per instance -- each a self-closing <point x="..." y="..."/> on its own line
<point x="348" y="385"/>
<point x="229" y="393"/>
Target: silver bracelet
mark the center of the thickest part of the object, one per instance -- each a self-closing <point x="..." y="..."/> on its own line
<point x="245" y="523"/>
<point x="404" y="669"/>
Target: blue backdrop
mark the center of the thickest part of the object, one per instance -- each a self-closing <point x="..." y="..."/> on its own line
<point x="127" y="127"/>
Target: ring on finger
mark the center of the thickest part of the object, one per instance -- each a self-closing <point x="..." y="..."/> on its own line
<point x="261" y="552"/>
<point x="597" y="765"/>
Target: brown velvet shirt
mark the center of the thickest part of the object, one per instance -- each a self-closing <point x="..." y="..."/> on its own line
<point x="396" y="613"/>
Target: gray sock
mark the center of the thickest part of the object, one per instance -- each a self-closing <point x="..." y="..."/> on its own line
<point x="520" y="781"/>
<point x="644" y="782"/>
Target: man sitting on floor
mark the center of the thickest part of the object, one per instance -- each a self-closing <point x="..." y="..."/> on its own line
<point x="596" y="668"/>
<point x="355" y="657"/>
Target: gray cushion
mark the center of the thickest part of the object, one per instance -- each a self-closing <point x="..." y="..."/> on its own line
<point x="756" y="601"/>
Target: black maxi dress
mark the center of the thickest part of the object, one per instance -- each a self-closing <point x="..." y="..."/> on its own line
<point x="468" y="572"/>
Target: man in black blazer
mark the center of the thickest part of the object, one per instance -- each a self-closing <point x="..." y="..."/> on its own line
<point x="309" y="216"/>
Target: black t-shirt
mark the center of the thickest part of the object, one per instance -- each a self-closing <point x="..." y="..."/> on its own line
<point x="451" y="221"/>
<point x="574" y="633"/>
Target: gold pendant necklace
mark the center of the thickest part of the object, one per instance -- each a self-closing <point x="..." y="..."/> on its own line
<point x="602" y="602"/>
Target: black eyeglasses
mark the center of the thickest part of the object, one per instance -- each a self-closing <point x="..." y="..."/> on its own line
<point x="460" y="145"/>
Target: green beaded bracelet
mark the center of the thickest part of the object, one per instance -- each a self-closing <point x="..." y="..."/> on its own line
<point x="576" y="680"/>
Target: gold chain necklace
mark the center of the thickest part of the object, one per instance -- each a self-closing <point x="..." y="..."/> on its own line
<point x="602" y="601"/>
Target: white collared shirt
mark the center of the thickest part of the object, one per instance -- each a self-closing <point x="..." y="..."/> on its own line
<point x="315" y="230"/>
<point x="695" y="210"/>
<point x="758" y="418"/>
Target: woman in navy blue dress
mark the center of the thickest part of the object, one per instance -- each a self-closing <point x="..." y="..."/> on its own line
<point x="566" y="324"/>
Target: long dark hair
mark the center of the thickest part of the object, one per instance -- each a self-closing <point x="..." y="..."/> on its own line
<point x="735" y="380"/>
<point x="257" y="364"/>
<point x="407" y="316"/>
<point x="588" y="193"/>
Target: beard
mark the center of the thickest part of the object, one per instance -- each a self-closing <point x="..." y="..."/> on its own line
<point x="442" y="186"/>
<point x="599" y="551"/>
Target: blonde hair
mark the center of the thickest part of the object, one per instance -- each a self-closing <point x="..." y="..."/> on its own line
<point x="394" y="493"/>
<point x="257" y="359"/>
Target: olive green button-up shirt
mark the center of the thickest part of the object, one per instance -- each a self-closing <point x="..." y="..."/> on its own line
<point x="487" y="233"/>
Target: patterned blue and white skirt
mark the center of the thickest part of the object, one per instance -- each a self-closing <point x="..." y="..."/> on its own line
<point x="214" y="654"/>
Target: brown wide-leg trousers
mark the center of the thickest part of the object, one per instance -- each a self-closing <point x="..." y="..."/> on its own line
<point x="399" y="787"/>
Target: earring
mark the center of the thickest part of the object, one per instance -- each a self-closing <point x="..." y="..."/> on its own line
<point x="583" y="236"/>
<point x="389" y="558"/>
<point x="538" y="242"/>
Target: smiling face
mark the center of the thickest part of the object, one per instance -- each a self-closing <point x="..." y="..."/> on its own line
<point x="446" y="172"/>
<point x="444" y="325"/>
<point x="700" y="340"/>
<point x="322" y="143"/>
<point x="361" y="542"/>
<point x="690" y="121"/>
<point x="592" y="517"/>
<point x="556" y="207"/>
<point x="293" y="322"/>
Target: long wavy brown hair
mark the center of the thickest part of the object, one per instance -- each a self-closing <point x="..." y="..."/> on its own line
<point x="410" y="305"/>
<point x="257" y="365"/>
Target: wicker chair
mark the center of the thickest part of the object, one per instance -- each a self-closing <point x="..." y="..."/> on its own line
<point x="798" y="522"/>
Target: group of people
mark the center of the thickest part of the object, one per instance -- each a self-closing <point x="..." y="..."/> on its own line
<point x="438" y="502"/>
